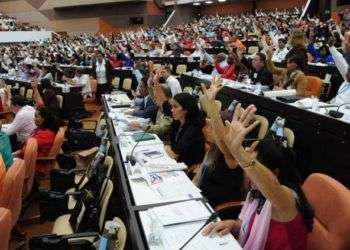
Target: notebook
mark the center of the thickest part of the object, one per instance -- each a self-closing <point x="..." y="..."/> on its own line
<point x="143" y="137"/>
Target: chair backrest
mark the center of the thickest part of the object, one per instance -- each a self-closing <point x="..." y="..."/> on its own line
<point x="107" y="189"/>
<point x="314" y="86"/>
<point x="109" y="162"/>
<point x="253" y="49"/>
<point x="187" y="90"/>
<point x="93" y="85"/>
<point x="11" y="196"/>
<point x="2" y="174"/>
<point x="5" y="228"/>
<point x="22" y="91"/>
<point x="57" y="144"/>
<point x="60" y="100"/>
<point x="122" y="234"/>
<point x="331" y="202"/>
<point x="30" y="155"/>
<point x="264" y="126"/>
<point x="29" y="94"/>
<point x="116" y="82"/>
<point x="127" y="84"/>
<point x="181" y="68"/>
<point x="289" y="134"/>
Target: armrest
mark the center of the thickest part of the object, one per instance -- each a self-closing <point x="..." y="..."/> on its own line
<point x="73" y="193"/>
<point x="228" y="206"/>
<point x="81" y="235"/>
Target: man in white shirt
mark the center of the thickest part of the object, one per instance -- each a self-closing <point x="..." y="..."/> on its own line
<point x="81" y="80"/>
<point x="23" y="124"/>
<point x="343" y="94"/>
<point x="280" y="53"/>
<point x="171" y="81"/>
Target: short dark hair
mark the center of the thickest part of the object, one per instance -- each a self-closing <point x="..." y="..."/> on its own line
<point x="262" y="57"/>
<point x="51" y="120"/>
<point x="297" y="60"/>
<point x="18" y="100"/>
<point x="167" y="91"/>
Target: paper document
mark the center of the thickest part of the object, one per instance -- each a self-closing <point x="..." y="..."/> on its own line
<point x="182" y="212"/>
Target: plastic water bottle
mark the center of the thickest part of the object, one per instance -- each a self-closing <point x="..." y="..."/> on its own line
<point x="109" y="236"/>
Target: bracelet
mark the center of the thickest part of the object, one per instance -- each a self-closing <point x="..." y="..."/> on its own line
<point x="250" y="164"/>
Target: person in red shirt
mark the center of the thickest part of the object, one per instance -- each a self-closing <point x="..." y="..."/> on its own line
<point x="47" y="126"/>
<point x="229" y="71"/>
<point x="276" y="213"/>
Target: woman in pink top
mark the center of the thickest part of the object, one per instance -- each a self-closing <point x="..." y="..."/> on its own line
<point x="276" y="214"/>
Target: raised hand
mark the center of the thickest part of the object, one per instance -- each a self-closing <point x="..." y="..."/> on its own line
<point x="240" y="126"/>
<point x="269" y="53"/>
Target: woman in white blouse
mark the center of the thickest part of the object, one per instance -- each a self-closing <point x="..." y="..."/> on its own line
<point x="103" y="72"/>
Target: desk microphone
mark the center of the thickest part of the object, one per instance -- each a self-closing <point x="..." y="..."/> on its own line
<point x="130" y="158"/>
<point x="212" y="217"/>
<point x="337" y="114"/>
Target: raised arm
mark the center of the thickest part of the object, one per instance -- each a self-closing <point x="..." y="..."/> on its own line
<point x="281" y="197"/>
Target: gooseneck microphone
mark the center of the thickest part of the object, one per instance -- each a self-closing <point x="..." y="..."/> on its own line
<point x="131" y="158"/>
<point x="337" y="114"/>
<point x="212" y="217"/>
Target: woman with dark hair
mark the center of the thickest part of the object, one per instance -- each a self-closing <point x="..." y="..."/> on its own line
<point x="47" y="123"/>
<point x="219" y="178"/>
<point x="46" y="96"/>
<point x="297" y="41"/>
<point x="186" y="136"/>
<point x="102" y="71"/>
<point x="276" y="214"/>
<point x="292" y="76"/>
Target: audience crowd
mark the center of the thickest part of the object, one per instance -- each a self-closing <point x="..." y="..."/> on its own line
<point x="276" y="214"/>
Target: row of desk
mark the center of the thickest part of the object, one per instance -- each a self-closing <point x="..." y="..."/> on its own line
<point x="321" y="142"/>
<point x="72" y="100"/>
<point x="142" y="189"/>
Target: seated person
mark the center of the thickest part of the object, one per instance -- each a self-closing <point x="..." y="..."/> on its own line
<point x="276" y="213"/>
<point x="292" y="76"/>
<point x="170" y="80"/>
<point x="186" y="136"/>
<point x="229" y="71"/>
<point x="322" y="55"/>
<point x="23" y="124"/>
<point x="147" y="108"/>
<point x="47" y="97"/>
<point x="47" y="126"/>
<point x="259" y="72"/>
<point x="5" y="96"/>
<point x="343" y="94"/>
<point x="220" y="180"/>
<point x="280" y="53"/>
<point x="81" y="80"/>
<point x="161" y="127"/>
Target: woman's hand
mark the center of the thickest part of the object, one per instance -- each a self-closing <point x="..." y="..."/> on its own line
<point x="269" y="53"/>
<point x="238" y="129"/>
<point x="222" y="227"/>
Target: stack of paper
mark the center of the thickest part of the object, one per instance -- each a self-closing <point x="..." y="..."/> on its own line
<point x="182" y="212"/>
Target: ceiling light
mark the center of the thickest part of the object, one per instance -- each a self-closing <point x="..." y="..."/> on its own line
<point x="196" y="4"/>
<point x="221" y="1"/>
<point x="209" y="2"/>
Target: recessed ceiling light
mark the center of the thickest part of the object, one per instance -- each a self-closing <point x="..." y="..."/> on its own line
<point x="208" y="2"/>
<point x="221" y="1"/>
<point x="196" y="4"/>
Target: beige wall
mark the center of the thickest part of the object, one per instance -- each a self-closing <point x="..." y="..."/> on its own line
<point x="56" y="15"/>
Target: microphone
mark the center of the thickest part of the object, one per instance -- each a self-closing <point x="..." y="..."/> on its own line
<point x="212" y="217"/>
<point x="337" y="114"/>
<point x="130" y="158"/>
